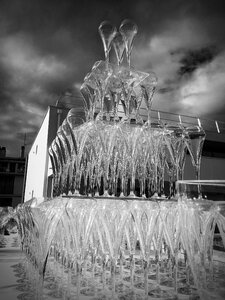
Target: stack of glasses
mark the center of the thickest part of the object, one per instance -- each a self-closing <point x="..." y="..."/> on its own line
<point x="131" y="249"/>
<point x="115" y="159"/>
<point x="112" y="155"/>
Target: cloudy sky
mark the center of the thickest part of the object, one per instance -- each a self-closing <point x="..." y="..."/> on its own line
<point x="47" y="47"/>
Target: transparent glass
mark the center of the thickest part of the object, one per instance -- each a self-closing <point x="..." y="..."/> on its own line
<point x="119" y="47"/>
<point x="200" y="216"/>
<point x="148" y="86"/>
<point x="107" y="32"/>
<point x="128" y="29"/>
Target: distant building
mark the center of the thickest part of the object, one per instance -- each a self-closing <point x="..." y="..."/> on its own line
<point x="39" y="171"/>
<point x="11" y="178"/>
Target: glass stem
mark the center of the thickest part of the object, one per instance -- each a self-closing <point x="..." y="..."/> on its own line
<point x="177" y="172"/>
<point x="102" y="107"/>
<point x="113" y="276"/>
<point x="197" y="176"/>
<point x="132" y="264"/>
<point x="107" y="59"/>
<point x="127" y="103"/>
<point x="146" y="278"/>
<point x="149" y="116"/>
<point x="175" y="272"/>
<point x="132" y="188"/>
<point x="170" y="186"/>
<point x="128" y="57"/>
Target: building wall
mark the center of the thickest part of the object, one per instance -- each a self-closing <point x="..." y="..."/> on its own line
<point x="37" y="163"/>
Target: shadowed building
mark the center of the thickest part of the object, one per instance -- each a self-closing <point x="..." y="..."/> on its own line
<point x="11" y="178"/>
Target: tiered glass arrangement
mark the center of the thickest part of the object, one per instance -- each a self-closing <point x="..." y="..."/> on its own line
<point x="111" y="229"/>
<point x="118" y="154"/>
<point x="116" y="249"/>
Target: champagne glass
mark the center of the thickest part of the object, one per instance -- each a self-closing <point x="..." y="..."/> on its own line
<point x="66" y="130"/>
<point x="91" y="81"/>
<point x="126" y="101"/>
<point x="56" y="152"/>
<point x="89" y="95"/>
<point x="107" y="32"/>
<point x="148" y="86"/>
<point x="128" y="29"/>
<point x="182" y="155"/>
<point x="66" y="155"/>
<point x="86" y="100"/>
<point x="130" y="79"/>
<point x="101" y="73"/>
<point x="60" y="144"/>
<point x="197" y="231"/>
<point x="175" y="149"/>
<point x="145" y="223"/>
<point x="169" y="158"/>
<point x="177" y="146"/>
<point x="119" y="47"/>
<point x="137" y="99"/>
<point x="114" y="92"/>
<point x="56" y="168"/>
<point x="194" y="140"/>
<point x="74" y="119"/>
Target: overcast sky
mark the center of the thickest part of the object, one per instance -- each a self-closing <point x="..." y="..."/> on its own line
<point x="47" y="47"/>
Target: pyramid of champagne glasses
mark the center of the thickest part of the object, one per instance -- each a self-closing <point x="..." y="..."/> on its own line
<point x="111" y="230"/>
<point x="115" y="152"/>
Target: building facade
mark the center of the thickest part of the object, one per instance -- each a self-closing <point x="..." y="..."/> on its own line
<point x="39" y="173"/>
<point x="12" y="171"/>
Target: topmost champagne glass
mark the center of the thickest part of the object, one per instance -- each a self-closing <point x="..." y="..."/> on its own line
<point x="119" y="47"/>
<point x="107" y="32"/>
<point x="128" y="29"/>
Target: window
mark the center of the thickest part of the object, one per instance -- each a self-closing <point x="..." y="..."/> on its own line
<point x="3" y="166"/>
<point x="12" y="167"/>
<point x="6" y="184"/>
<point x="20" y="168"/>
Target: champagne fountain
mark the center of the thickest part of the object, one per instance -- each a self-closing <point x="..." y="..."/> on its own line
<point x="112" y="230"/>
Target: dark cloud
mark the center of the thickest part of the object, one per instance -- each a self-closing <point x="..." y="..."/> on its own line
<point x="48" y="46"/>
<point x="194" y="59"/>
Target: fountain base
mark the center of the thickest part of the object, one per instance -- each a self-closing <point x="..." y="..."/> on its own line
<point x="122" y="249"/>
